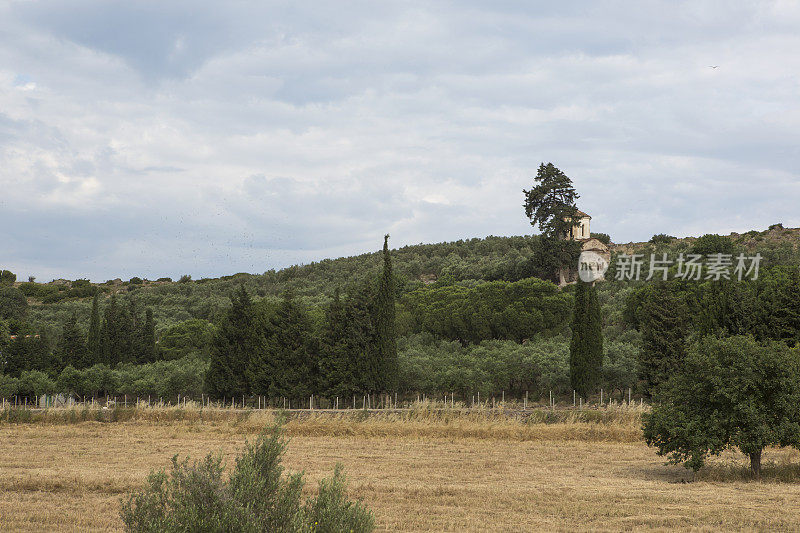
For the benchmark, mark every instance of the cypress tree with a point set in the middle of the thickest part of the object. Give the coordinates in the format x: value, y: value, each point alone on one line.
x: 386, y: 365
x: 287, y: 365
x: 109, y: 334
x: 94, y: 346
x: 586, y: 347
x: 71, y: 349
x: 231, y: 349
x: 663, y: 324
x: 148, y: 349
x: 348, y: 344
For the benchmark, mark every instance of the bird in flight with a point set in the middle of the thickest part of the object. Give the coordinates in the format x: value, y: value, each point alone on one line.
x: 713, y: 66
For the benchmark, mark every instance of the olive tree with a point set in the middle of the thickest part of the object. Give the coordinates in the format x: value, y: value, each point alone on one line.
x: 731, y: 393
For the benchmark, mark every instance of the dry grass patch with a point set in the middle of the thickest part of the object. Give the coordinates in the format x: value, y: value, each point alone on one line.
x: 440, y: 473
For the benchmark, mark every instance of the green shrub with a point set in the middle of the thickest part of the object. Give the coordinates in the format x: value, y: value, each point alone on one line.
x: 661, y: 238
x: 605, y: 238
x: 256, y: 498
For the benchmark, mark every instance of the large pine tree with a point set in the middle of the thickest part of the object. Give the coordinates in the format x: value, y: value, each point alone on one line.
x: 550, y: 204
x: 386, y: 364
x: 586, y: 348
x: 234, y: 343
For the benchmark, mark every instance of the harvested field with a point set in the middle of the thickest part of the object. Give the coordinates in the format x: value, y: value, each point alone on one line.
x: 422, y: 471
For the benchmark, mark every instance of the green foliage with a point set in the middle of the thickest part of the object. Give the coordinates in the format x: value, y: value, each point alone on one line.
x: 384, y: 367
x: 236, y: 340
x: 663, y: 322
x: 13, y: 304
x: 605, y: 238
x: 9, y: 386
x: 27, y: 352
x: 661, y: 238
x: 285, y: 364
x: 731, y: 392
x: 586, y: 346
x: 258, y: 497
x: 147, y: 347
x: 135, y: 280
x: 620, y: 365
x: 494, y: 310
x: 94, y: 343
x: 347, y: 342
x: 431, y: 366
x: 713, y: 244
x: 33, y: 383
x: 190, y: 337
x: 551, y: 202
x: 71, y: 348
x: 7, y: 277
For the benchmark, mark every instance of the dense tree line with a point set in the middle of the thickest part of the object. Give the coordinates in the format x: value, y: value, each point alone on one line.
x: 477, y: 293
x: 124, y: 335
x: 277, y: 351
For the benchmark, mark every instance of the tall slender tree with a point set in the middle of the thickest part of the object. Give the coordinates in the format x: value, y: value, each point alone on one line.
x: 586, y: 348
x: 94, y: 346
x: 663, y: 322
x: 386, y: 367
x: 148, y: 352
x: 110, y: 333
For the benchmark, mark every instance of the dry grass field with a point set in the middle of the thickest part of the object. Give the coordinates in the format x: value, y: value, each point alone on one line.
x: 418, y: 472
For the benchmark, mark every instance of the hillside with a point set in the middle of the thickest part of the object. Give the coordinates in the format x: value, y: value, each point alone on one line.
x: 468, y: 261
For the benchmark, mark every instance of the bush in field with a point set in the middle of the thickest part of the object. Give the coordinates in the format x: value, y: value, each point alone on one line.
x: 257, y: 498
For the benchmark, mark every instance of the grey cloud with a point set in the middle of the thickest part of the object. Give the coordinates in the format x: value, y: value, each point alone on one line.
x: 211, y: 138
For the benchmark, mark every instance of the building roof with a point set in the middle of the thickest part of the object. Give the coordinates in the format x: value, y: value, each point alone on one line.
x: 582, y: 214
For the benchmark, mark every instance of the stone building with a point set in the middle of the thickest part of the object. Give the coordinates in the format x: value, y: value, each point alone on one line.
x: 582, y: 233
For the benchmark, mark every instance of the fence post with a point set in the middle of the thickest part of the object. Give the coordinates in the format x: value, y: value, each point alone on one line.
x: 573, y: 397
x: 601, y: 397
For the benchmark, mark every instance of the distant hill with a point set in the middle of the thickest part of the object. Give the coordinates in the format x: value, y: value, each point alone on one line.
x: 468, y: 261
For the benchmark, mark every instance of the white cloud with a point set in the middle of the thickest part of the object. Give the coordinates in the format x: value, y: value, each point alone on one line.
x: 151, y: 138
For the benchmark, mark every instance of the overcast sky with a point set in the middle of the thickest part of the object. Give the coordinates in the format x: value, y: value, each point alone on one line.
x: 163, y: 138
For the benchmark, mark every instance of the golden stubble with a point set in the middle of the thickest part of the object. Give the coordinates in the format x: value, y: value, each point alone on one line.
x: 417, y: 473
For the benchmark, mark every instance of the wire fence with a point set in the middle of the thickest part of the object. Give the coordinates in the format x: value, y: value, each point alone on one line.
x: 361, y: 402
